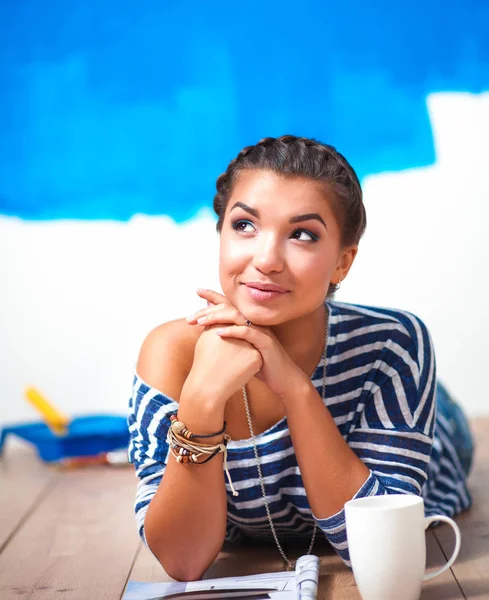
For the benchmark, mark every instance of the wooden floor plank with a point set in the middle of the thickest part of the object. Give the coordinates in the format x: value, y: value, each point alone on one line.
x: 472, y: 566
x: 79, y: 544
x: 445, y: 586
x: 22, y: 487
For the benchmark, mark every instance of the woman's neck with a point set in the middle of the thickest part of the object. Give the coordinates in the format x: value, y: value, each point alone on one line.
x: 303, y: 338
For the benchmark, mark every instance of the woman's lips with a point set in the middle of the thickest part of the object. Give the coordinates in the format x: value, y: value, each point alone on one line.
x: 264, y: 292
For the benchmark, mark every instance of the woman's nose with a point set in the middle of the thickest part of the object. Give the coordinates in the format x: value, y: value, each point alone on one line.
x: 268, y: 255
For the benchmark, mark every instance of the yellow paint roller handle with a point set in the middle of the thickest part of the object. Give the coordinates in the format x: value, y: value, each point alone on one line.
x: 53, y: 418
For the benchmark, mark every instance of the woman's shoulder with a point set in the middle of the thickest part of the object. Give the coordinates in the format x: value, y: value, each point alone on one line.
x: 394, y: 342
x: 356, y: 327
x: 166, y: 356
x: 376, y: 318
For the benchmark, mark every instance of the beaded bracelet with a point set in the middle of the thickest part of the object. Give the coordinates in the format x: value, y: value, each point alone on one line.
x: 189, y: 452
x: 186, y: 453
x: 179, y: 428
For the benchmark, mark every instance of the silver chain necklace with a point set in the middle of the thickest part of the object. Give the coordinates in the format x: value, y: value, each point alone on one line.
x: 290, y: 565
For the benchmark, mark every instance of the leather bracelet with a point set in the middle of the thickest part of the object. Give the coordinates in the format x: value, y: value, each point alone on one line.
x: 180, y: 429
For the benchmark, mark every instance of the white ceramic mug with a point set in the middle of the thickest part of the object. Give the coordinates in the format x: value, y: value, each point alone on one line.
x: 386, y: 540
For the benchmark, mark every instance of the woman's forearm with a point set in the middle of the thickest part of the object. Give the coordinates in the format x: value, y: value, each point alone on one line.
x: 331, y: 471
x: 186, y: 520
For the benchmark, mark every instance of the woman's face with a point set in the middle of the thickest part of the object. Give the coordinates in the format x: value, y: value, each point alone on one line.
x: 280, y: 247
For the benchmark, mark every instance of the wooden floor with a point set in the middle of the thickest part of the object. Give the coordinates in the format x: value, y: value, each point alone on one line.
x: 70, y: 534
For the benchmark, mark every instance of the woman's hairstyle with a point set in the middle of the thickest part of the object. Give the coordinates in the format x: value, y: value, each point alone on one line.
x: 293, y: 156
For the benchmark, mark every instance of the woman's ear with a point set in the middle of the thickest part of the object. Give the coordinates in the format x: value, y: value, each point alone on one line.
x: 344, y: 264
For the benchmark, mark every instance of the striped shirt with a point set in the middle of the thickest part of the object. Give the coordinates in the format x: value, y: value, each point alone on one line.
x: 380, y: 391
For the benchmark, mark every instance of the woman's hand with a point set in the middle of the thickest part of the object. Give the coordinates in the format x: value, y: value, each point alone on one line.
x: 278, y: 369
x: 220, y: 367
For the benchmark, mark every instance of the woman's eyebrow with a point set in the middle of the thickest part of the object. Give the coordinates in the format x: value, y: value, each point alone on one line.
x: 297, y: 219
x: 308, y: 217
x: 247, y: 208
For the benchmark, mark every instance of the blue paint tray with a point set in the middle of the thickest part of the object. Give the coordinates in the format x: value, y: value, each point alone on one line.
x: 86, y: 436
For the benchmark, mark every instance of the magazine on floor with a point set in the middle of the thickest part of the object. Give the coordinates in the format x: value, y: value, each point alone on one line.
x: 300, y: 584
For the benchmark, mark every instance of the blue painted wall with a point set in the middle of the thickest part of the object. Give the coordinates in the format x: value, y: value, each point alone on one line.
x: 110, y: 108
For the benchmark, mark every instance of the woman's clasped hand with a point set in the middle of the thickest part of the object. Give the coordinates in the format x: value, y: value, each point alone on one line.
x: 246, y: 350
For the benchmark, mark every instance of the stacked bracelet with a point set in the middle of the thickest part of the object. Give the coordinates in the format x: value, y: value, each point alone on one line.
x: 180, y: 429
x: 185, y: 450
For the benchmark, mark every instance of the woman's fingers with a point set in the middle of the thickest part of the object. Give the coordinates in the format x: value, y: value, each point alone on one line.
x: 259, y: 339
x: 222, y: 313
x: 212, y: 296
x: 223, y: 316
x: 277, y: 369
x: 209, y: 309
x: 218, y: 310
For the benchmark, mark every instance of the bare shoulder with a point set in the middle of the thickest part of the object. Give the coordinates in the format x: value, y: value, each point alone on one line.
x: 166, y: 356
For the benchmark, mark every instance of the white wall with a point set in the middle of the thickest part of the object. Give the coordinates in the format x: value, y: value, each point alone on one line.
x: 77, y: 298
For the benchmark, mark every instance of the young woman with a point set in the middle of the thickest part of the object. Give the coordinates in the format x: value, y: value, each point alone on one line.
x: 263, y: 413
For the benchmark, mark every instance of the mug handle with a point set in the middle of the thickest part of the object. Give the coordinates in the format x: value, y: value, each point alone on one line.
x: 455, y: 552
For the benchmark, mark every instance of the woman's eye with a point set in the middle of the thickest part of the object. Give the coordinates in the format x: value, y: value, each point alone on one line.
x: 303, y: 235
x: 243, y: 226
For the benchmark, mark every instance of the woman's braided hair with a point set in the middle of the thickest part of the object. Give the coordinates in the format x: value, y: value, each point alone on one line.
x: 307, y: 158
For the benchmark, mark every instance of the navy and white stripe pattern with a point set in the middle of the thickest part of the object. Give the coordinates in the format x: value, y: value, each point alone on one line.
x: 380, y: 390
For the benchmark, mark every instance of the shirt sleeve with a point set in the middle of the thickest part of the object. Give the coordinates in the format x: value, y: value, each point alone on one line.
x: 148, y: 420
x: 393, y: 434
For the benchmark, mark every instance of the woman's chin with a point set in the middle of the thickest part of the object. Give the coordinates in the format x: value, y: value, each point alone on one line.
x: 272, y: 316
x: 263, y: 313
x: 263, y: 317
x: 267, y: 323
